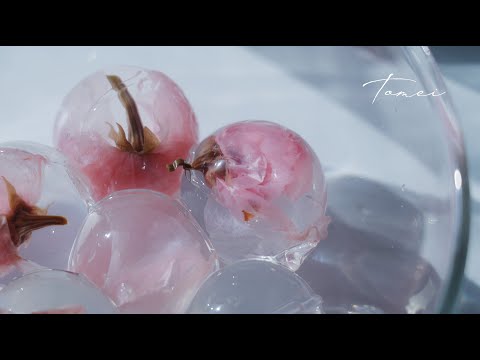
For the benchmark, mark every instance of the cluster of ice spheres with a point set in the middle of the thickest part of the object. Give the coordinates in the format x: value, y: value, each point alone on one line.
x: 130, y: 213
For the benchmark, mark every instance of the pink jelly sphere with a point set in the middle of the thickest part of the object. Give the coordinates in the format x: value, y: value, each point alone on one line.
x: 145, y: 251
x: 23, y: 171
x: 266, y: 192
x: 95, y: 109
x: 41, y: 208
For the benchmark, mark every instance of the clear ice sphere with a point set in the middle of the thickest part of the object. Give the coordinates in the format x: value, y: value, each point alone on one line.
x: 255, y: 287
x: 53, y: 290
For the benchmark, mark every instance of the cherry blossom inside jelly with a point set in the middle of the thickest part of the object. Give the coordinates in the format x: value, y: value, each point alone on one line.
x: 120, y: 126
x: 258, y: 189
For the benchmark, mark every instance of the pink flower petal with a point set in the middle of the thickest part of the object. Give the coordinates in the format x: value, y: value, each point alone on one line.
x: 265, y: 161
x: 8, y: 252
x: 24, y: 171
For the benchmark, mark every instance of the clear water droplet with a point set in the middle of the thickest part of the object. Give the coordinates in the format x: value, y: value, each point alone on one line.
x: 403, y: 187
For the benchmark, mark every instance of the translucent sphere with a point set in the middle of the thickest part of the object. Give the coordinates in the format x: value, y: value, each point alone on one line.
x: 38, y: 183
x: 255, y: 287
x: 145, y: 251
x: 259, y: 191
x: 120, y: 127
x: 52, y: 291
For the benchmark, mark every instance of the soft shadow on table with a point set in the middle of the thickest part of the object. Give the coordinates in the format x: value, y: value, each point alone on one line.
x: 454, y: 60
x: 303, y: 63
x: 456, y: 54
x: 370, y: 261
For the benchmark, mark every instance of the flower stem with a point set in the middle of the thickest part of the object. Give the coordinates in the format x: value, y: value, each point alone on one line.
x: 179, y: 163
x: 135, y: 127
x: 24, y: 224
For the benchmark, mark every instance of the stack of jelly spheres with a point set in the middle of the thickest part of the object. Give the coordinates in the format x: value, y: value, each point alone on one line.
x: 250, y: 185
x: 118, y: 128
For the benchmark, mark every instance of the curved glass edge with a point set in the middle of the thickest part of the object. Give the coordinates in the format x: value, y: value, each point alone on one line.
x: 457, y: 275
x: 469, y: 298
x: 422, y: 61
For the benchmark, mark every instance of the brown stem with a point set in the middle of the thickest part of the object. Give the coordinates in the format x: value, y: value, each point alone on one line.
x: 23, y: 223
x: 179, y: 163
x: 135, y: 127
x: 24, y: 218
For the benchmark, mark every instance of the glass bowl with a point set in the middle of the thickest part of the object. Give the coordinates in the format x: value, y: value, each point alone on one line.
x: 396, y: 179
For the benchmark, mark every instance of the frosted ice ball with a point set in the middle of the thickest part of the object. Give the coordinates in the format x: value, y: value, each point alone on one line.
x: 255, y: 287
x: 53, y: 291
